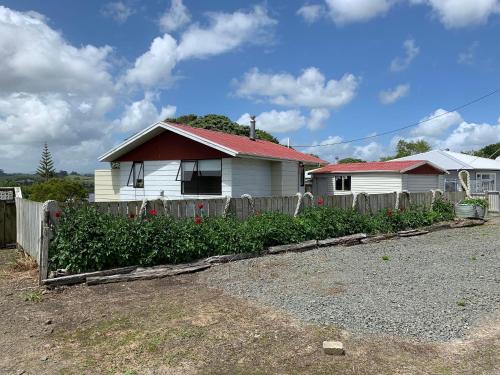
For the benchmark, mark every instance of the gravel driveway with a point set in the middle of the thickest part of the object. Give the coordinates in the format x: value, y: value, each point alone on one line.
x: 432, y: 287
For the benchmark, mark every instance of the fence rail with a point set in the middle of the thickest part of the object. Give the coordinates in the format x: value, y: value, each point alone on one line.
x: 29, y: 218
x: 243, y: 207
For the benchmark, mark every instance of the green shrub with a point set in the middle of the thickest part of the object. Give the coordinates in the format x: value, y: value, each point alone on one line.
x: 444, y: 208
x: 88, y: 240
x: 58, y: 189
x: 475, y: 202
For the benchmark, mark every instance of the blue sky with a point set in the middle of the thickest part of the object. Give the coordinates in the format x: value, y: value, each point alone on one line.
x: 85, y: 76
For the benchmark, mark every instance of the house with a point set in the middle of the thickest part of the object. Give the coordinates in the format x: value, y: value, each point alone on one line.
x: 484, y: 173
x: 376, y: 177
x: 176, y: 161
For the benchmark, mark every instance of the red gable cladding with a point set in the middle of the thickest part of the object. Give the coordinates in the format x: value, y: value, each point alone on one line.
x: 172, y: 146
x: 425, y: 169
x: 381, y: 166
x: 245, y: 145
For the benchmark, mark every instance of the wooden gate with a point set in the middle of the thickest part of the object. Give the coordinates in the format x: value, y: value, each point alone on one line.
x: 7, y: 218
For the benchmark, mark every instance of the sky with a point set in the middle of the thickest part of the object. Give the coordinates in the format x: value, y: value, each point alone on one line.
x: 83, y: 76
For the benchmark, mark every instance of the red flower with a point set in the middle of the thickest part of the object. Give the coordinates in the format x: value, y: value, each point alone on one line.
x: 200, y: 205
x: 58, y: 214
x: 389, y: 212
x: 153, y: 212
x: 131, y: 215
x: 197, y: 220
x: 320, y: 201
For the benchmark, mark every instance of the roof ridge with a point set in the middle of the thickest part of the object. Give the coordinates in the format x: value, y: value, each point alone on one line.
x: 446, y: 153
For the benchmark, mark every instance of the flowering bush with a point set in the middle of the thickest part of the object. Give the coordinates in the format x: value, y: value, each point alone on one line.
x: 88, y: 240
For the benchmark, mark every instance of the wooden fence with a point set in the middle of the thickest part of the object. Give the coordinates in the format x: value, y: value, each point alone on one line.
x: 493, y: 198
x: 242, y: 208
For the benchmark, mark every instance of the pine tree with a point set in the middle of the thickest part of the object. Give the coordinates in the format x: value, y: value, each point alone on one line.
x: 46, y: 169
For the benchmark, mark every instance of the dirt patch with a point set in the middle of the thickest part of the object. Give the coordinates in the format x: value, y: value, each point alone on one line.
x: 176, y: 326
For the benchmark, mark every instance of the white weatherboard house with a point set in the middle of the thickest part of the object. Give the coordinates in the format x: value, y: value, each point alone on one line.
x: 484, y: 173
x: 414, y: 176
x: 174, y: 161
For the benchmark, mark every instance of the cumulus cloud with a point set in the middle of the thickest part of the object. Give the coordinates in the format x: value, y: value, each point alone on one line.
x: 310, y: 12
x: 317, y: 118
x: 118, y: 11
x: 276, y: 121
x: 226, y: 31
x: 468, y: 57
x: 411, y: 51
x: 309, y: 89
x: 470, y: 136
x: 437, y: 123
x: 142, y: 113
x: 174, y: 17
x: 347, y: 11
x: 461, y: 13
x: 392, y: 95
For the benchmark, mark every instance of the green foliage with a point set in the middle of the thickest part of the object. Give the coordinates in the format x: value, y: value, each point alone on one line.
x: 444, y: 208
x: 61, y: 190
x: 475, y: 202
x: 351, y: 160
x: 385, y: 257
x: 222, y: 124
x: 46, y: 168
x: 35, y: 296
x: 491, y: 151
x: 88, y: 240
x: 405, y: 148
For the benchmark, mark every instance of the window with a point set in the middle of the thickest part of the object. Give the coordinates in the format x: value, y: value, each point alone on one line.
x: 485, y: 182
x: 343, y: 183
x: 136, y: 175
x: 450, y: 185
x: 201, y: 177
x: 302, y: 174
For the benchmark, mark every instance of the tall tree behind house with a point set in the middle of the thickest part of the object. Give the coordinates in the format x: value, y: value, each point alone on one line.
x: 46, y: 168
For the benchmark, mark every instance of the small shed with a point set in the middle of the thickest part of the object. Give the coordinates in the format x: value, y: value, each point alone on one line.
x: 376, y: 177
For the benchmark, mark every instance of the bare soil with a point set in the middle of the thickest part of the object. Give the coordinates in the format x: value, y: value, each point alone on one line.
x: 177, y: 326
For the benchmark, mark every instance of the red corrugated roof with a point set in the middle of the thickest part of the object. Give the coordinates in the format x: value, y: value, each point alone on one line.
x: 378, y: 166
x: 244, y: 145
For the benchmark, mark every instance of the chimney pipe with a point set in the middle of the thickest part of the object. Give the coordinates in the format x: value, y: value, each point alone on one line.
x: 252, y: 128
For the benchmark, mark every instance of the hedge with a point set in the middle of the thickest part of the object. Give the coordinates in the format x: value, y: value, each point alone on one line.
x: 87, y: 240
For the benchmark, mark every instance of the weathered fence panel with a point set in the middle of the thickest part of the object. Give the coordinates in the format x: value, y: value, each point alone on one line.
x: 29, y: 218
x: 493, y: 198
x: 454, y: 196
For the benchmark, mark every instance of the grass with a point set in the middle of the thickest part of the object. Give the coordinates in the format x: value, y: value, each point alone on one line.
x: 461, y: 303
x: 23, y: 263
x: 473, y: 258
x: 385, y: 257
x: 35, y: 296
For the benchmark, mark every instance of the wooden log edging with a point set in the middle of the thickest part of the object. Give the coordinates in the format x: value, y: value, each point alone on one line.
x: 82, y: 277
x: 301, y: 246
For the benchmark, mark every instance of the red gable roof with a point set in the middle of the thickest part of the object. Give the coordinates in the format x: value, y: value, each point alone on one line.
x: 380, y: 166
x: 245, y: 146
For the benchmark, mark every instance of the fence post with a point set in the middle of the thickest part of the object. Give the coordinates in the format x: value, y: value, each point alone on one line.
x: 44, y: 253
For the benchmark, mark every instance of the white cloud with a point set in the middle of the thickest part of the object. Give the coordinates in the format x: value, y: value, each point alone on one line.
x: 143, y: 113
x: 332, y: 148
x: 225, y: 32
x: 154, y: 67
x: 347, y: 11
x: 311, y: 12
x: 118, y: 10
x: 411, y: 51
x: 462, y: 13
x: 175, y: 17
x: 437, y: 123
x: 372, y: 151
x: 468, y: 56
x: 276, y: 121
x: 310, y: 89
x: 392, y: 95
x: 470, y: 136
x: 317, y: 118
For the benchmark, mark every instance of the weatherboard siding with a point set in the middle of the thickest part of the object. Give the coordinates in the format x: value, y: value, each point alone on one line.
x: 376, y: 183
x: 107, y: 185
x: 251, y: 176
x: 418, y: 183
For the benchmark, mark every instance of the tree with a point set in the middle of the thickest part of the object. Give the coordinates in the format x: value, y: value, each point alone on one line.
x: 351, y: 160
x: 220, y: 123
x: 491, y: 151
x: 46, y: 169
x: 61, y: 190
x: 405, y: 148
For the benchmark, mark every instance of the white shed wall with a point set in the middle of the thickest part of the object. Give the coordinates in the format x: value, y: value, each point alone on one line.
x: 251, y: 176
x: 107, y: 185
x: 371, y: 183
x: 419, y: 183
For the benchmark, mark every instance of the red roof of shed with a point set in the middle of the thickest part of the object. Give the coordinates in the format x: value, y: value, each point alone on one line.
x: 244, y: 145
x: 379, y: 166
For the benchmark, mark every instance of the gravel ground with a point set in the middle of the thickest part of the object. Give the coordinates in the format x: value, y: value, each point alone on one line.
x: 433, y: 287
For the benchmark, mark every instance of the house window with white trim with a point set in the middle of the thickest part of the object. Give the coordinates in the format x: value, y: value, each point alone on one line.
x: 201, y: 177
x: 342, y: 183
x: 485, y: 182
x: 136, y: 175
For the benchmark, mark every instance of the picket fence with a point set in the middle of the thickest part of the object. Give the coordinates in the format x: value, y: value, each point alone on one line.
x: 36, y: 220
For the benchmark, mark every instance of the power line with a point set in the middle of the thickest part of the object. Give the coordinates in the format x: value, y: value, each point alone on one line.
x: 407, y: 126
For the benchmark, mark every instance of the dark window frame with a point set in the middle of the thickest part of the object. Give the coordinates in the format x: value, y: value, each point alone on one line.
x: 197, y: 174
x: 302, y: 175
x: 137, y: 183
x: 343, y: 179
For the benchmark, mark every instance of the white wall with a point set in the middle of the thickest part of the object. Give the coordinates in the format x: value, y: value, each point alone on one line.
x: 107, y: 185
x: 372, y: 183
x: 251, y: 176
x: 418, y: 183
